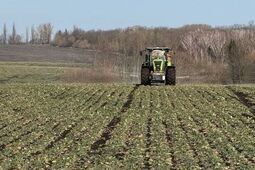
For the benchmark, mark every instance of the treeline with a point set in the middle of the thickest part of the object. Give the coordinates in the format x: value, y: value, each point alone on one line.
x: 126, y: 41
x: 36, y: 35
x: 201, y: 42
x: 223, y: 54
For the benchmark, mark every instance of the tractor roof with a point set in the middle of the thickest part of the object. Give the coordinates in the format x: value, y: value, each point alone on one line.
x: 158, y: 48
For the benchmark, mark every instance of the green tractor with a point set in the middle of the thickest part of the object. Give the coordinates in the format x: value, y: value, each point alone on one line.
x: 158, y: 66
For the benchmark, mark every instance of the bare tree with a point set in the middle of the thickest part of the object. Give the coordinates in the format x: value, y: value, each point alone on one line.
x: 5, y: 35
x: 32, y: 35
x: 45, y: 33
x: 14, y: 38
x: 236, y: 61
x: 49, y: 30
x: 27, y: 35
x: 14, y: 33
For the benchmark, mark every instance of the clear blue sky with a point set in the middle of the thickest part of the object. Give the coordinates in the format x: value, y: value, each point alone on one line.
x: 109, y: 14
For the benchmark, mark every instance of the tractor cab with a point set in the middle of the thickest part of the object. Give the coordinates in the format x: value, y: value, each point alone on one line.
x: 158, y: 60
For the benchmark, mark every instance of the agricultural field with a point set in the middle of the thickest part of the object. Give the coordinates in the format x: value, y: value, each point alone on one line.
x: 43, y: 72
x: 45, y: 53
x: 58, y: 126
x: 23, y: 73
x: 37, y: 72
x: 47, y: 64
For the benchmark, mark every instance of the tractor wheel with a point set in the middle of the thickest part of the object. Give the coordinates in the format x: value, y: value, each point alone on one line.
x: 145, y: 76
x: 170, y: 76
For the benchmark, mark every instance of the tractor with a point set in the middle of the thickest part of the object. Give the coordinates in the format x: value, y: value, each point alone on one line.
x: 158, y: 66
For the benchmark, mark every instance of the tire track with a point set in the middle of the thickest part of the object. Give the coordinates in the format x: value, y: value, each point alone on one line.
x: 246, y: 115
x: 127, y: 144
x: 69, y: 128
x: 169, y: 133
x: 169, y: 139
x: 148, y: 140
x: 120, y: 155
x: 107, y: 133
x: 242, y: 97
x: 75, y: 140
x: 147, y: 153
x: 81, y: 135
x: 225, y: 133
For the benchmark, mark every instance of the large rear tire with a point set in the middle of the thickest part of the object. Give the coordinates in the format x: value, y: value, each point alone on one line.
x: 170, y: 76
x: 145, y: 76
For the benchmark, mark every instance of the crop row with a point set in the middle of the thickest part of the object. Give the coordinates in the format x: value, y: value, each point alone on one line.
x: 124, y: 126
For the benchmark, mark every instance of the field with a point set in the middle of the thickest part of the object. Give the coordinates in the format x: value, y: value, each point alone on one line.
x: 46, y: 123
x: 38, y: 72
x: 47, y: 64
x: 58, y: 126
x: 43, y: 64
x: 46, y: 53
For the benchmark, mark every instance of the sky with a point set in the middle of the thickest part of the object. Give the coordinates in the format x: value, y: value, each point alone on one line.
x: 111, y: 14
